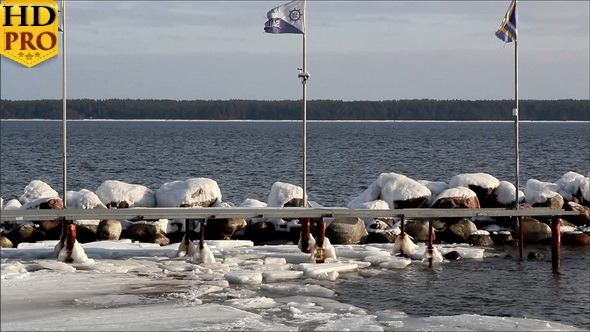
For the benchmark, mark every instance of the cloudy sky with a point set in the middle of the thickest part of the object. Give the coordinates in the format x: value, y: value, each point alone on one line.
x: 356, y: 50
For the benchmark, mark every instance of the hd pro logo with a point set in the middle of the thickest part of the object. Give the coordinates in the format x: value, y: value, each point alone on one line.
x: 29, y: 30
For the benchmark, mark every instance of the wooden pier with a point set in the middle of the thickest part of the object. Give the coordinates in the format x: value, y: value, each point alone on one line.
x: 269, y: 212
x: 305, y: 214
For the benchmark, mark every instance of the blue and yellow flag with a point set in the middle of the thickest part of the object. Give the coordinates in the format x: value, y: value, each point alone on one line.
x: 507, y: 31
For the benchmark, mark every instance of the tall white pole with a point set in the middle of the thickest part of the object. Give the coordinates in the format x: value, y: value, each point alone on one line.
x: 64, y: 103
x: 304, y: 76
x: 303, y: 81
x: 516, y: 129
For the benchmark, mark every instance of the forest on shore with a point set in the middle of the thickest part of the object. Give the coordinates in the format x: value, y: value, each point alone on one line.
x: 414, y: 109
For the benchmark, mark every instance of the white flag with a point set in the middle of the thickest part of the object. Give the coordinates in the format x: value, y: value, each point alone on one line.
x: 288, y: 18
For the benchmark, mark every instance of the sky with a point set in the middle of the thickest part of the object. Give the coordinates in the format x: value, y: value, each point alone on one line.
x: 356, y: 50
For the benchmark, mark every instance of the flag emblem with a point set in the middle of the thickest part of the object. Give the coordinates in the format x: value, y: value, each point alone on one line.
x: 288, y: 18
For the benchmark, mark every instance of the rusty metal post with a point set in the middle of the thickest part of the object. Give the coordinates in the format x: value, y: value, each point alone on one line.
x: 186, y: 238
x: 202, y: 235
x: 305, y: 230
x: 430, y: 243
x: 555, y: 243
x: 70, y: 241
x: 320, y: 254
x: 520, y: 238
x: 62, y: 236
x: 402, y: 235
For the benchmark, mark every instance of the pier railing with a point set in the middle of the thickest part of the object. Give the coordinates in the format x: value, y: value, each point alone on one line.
x: 305, y: 214
x: 269, y: 212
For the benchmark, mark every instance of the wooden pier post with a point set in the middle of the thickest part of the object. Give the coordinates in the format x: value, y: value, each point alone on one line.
x: 555, y: 243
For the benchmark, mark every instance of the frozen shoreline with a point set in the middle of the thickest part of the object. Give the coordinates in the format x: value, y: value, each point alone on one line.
x: 139, y: 286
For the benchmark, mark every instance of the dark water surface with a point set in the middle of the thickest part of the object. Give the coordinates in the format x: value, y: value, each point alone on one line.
x: 495, y: 286
x: 246, y: 158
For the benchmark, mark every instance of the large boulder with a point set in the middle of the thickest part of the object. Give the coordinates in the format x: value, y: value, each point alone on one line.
x: 580, y: 220
x: 83, y: 199
x: 44, y: 203
x: 347, y: 230
x: 285, y: 194
x: 5, y: 242
x: 112, y: 193
x: 504, y: 196
x: 50, y: 228
x: 569, y: 186
x: 435, y: 187
x: 13, y: 204
x: 223, y: 229
x: 259, y: 232
x: 25, y: 233
x: 554, y: 202
x: 459, y: 232
x: 381, y: 236
x: 401, y: 192
x: 371, y: 194
x: 37, y: 189
x: 381, y: 231
x: 480, y: 239
x: 86, y: 233
x: 146, y: 232
x: 502, y: 238
x: 418, y: 229
x: 194, y: 192
x: 534, y: 231
x: 538, y: 192
x: 575, y: 239
x: 48, y: 225
x: 396, y: 190
x: 109, y: 230
x: 458, y: 197
x: 482, y: 184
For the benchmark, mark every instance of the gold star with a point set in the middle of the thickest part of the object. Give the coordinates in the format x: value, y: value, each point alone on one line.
x: 37, y: 54
x: 21, y: 54
x: 29, y: 56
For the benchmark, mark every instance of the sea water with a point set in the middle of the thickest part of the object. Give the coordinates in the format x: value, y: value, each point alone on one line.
x: 246, y: 158
x: 343, y: 158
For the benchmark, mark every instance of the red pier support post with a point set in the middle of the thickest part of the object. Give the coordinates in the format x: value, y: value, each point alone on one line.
x: 402, y: 234
x: 520, y: 238
x: 430, y: 243
x: 320, y: 254
x: 186, y: 238
x: 555, y: 243
x: 70, y: 241
x: 202, y: 235
x: 305, y: 231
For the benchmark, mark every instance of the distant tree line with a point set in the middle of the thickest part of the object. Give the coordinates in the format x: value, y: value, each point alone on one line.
x: 414, y: 109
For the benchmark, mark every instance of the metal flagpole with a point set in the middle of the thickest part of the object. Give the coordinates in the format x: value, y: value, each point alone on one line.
x: 304, y: 77
x: 64, y: 103
x: 516, y: 151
